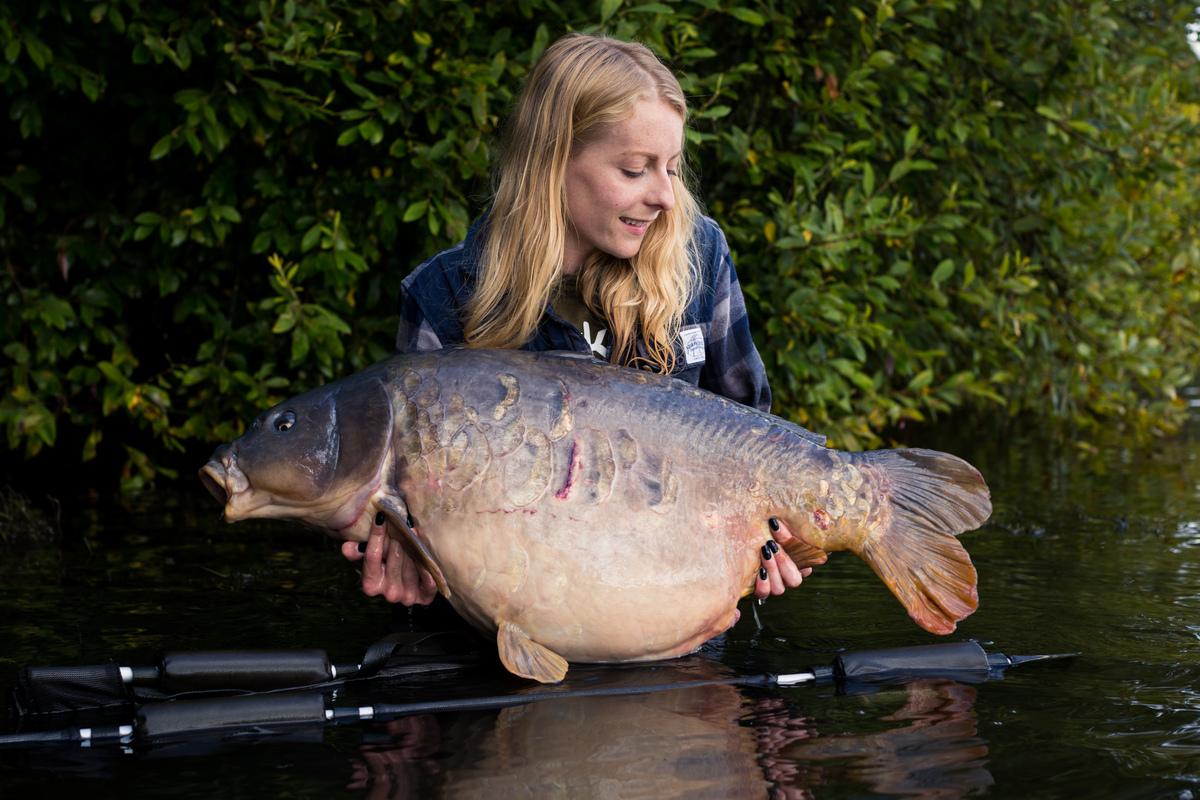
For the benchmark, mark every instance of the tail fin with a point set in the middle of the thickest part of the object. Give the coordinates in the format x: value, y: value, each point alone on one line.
x: 932, y: 497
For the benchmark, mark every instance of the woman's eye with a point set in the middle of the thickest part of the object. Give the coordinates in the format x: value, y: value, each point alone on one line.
x: 632, y: 174
x: 671, y: 172
x: 285, y: 421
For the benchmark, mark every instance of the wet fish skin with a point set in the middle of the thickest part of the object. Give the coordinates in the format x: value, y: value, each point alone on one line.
x: 595, y: 513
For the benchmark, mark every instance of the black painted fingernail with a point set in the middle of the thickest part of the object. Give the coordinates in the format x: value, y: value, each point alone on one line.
x: 774, y: 547
x: 766, y: 553
x: 774, y: 524
x: 362, y: 548
x: 379, y: 518
x: 762, y: 573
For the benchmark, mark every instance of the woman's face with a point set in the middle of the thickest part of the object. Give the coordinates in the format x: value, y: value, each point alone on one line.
x: 617, y: 185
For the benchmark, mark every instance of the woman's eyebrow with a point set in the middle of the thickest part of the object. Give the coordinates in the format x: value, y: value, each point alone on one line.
x: 651, y: 156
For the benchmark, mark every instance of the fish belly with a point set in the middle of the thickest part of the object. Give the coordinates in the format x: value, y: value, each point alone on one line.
x: 605, y: 535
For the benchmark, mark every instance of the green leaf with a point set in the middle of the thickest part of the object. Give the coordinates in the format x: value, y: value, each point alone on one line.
x: 715, y: 112
x: 415, y: 210
x: 541, y: 38
x: 922, y: 379
x: 311, y: 238
x: 608, y: 8
x: 944, y: 270
x: 285, y: 322
x: 38, y: 53
x: 371, y: 130
x: 747, y: 15
x: 226, y: 212
x: 161, y: 147
x: 261, y: 243
x: 881, y: 58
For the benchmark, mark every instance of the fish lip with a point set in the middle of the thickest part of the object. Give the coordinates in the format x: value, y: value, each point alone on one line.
x: 212, y: 475
x: 227, y: 483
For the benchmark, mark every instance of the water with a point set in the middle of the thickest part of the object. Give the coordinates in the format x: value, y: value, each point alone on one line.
x: 1089, y: 552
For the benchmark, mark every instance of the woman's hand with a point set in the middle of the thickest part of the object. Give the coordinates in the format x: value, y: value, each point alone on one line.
x: 389, y: 571
x: 778, y: 572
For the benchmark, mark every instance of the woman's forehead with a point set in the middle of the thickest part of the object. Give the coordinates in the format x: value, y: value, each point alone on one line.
x: 654, y: 129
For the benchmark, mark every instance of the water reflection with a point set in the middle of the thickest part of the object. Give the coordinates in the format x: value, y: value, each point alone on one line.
x: 679, y: 742
x: 936, y: 755
x: 710, y: 741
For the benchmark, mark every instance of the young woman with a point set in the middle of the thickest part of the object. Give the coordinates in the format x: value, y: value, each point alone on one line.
x: 592, y: 243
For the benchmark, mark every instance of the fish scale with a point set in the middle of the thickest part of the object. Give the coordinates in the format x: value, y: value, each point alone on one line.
x: 586, y: 512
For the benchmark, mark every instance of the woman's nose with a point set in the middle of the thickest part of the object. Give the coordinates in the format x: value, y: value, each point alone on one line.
x: 663, y: 193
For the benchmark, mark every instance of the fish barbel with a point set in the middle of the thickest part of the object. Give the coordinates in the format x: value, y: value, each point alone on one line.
x: 586, y: 512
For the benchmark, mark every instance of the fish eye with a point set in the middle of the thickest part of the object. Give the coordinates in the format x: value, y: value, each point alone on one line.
x: 285, y: 421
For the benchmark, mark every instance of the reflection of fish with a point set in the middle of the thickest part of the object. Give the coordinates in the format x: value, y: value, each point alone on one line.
x: 676, y: 742
x: 591, y: 512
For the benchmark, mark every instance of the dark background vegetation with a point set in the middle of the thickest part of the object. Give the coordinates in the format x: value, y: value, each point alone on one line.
x: 206, y: 206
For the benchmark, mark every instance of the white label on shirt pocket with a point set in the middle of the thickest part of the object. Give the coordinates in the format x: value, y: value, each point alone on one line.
x: 693, y: 345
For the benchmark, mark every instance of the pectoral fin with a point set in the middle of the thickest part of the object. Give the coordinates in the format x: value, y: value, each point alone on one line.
x: 804, y: 554
x: 525, y: 657
x: 396, y: 512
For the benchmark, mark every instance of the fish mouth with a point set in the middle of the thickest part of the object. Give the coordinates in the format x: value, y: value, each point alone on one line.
x: 227, y: 483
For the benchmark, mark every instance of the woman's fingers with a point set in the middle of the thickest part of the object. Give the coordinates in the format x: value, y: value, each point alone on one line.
x: 388, y: 570
x: 406, y: 582
x: 777, y: 571
x: 373, y: 570
x: 351, y: 552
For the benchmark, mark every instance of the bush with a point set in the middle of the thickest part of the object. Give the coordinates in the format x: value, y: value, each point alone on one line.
x: 209, y: 206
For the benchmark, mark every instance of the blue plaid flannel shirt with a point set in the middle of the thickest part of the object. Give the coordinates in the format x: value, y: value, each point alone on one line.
x: 715, y: 351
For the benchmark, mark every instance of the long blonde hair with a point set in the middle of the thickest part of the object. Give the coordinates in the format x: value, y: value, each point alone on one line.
x: 580, y: 87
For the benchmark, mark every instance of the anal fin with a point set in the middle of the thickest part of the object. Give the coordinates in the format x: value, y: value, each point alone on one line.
x: 804, y: 554
x: 397, y: 514
x: 524, y: 657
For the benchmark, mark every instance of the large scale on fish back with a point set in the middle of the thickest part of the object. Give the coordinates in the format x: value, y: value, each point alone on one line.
x: 586, y: 512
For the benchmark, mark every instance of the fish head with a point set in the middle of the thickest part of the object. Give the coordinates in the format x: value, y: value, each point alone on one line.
x: 308, y: 458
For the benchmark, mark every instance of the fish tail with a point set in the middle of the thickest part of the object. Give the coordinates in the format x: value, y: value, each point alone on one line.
x: 926, y: 499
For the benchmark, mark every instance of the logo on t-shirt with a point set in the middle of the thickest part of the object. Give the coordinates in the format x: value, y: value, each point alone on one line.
x: 597, y: 344
x: 693, y: 345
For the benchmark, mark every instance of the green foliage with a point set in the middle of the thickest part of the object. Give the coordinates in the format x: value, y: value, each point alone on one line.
x: 205, y: 207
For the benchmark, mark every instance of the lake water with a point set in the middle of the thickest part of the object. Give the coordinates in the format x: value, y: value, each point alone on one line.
x: 1088, y: 552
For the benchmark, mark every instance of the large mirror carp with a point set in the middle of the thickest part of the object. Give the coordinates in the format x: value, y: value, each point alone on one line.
x: 591, y: 513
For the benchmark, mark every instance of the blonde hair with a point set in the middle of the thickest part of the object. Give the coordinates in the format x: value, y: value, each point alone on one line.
x: 581, y: 87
